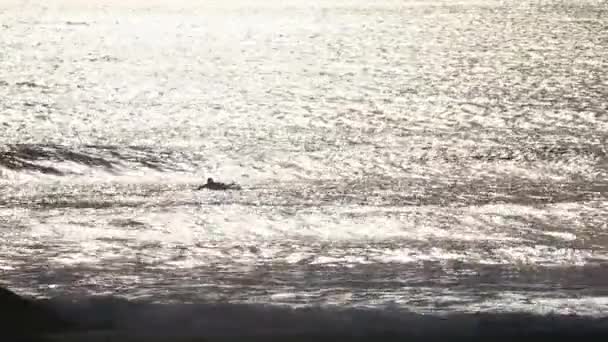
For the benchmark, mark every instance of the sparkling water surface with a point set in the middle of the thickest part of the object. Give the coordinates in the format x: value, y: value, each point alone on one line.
x: 444, y: 156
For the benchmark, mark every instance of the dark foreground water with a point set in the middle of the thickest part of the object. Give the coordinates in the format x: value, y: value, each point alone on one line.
x: 406, y: 157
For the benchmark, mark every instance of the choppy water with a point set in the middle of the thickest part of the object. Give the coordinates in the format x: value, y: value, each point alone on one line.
x: 431, y: 156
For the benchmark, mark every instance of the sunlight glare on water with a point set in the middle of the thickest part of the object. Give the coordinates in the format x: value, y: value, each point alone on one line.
x: 391, y: 153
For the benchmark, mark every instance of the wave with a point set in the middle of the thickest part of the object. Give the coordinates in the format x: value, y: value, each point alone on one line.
x: 60, y: 160
x: 109, y: 317
x: 48, y: 158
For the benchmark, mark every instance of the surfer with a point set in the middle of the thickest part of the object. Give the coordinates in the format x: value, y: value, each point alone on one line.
x: 212, y: 185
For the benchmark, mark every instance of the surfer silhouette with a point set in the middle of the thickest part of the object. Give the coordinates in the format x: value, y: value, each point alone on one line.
x: 213, y: 185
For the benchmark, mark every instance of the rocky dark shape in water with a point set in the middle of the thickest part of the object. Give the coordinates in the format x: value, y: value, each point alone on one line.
x: 212, y: 185
x: 23, y: 319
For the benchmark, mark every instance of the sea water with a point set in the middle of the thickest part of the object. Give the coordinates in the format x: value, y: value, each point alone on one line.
x: 438, y: 157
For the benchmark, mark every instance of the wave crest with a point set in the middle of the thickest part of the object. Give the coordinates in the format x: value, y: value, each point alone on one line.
x: 48, y: 158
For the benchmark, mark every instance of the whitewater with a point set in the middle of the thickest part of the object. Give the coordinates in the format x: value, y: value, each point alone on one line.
x: 398, y: 159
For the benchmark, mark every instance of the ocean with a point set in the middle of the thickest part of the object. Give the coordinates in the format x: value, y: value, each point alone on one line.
x: 397, y: 158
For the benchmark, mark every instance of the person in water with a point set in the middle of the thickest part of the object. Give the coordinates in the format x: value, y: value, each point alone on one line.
x: 212, y: 185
